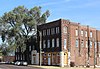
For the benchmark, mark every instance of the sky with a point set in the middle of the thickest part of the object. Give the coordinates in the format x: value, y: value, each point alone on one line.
x: 85, y: 12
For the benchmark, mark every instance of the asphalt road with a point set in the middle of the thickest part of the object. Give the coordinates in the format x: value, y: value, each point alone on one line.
x: 5, y: 66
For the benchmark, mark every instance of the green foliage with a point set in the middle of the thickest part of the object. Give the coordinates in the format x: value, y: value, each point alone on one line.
x: 18, y: 25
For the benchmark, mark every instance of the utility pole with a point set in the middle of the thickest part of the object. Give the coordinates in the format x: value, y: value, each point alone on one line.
x: 40, y: 46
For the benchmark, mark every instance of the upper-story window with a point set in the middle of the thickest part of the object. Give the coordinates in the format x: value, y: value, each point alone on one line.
x: 44, y: 44
x: 82, y: 43
x: 99, y: 46
x: 76, y: 32
x: 57, y: 42
x: 44, y: 32
x: 33, y: 47
x: 52, y: 42
x: 65, y: 43
x: 52, y: 30
x: 82, y: 33
x: 57, y: 29
x: 85, y: 33
x: 48, y: 31
x: 90, y: 44
x: 86, y: 44
x: 77, y: 43
x: 29, y: 48
x: 18, y: 49
x: 65, y: 29
x: 95, y: 44
x: 91, y: 34
x: 48, y: 43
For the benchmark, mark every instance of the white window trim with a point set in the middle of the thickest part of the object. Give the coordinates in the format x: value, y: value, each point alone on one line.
x: 77, y: 43
x: 82, y: 32
x: 76, y: 32
x: 65, y: 28
x: 44, y: 45
x: 85, y: 33
x: 90, y: 44
x: 65, y: 43
x: 82, y: 43
x: 57, y: 42
x: 48, y: 43
x: 86, y: 44
x: 91, y: 34
x: 53, y: 42
x: 57, y: 30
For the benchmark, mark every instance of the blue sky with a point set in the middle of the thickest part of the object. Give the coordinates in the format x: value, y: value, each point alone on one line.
x: 86, y: 12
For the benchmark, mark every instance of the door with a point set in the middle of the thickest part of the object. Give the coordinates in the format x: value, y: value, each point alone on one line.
x: 49, y: 61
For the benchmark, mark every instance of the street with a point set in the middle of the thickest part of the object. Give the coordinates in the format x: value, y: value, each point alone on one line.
x: 5, y: 66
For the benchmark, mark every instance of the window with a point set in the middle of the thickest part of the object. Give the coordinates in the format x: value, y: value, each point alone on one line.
x: 86, y: 44
x: 85, y: 33
x: 53, y: 31
x: 48, y: 43
x: 95, y: 44
x: 81, y: 32
x: 29, y: 48
x: 57, y: 41
x: 65, y: 29
x: 49, y: 54
x: 48, y: 31
x: 44, y: 45
x: 65, y: 43
x: 57, y: 30
x: 99, y: 44
x: 52, y: 42
x: 33, y: 47
x: 91, y: 34
x: 90, y: 44
x: 21, y: 57
x: 77, y: 42
x: 44, y: 32
x: 82, y: 43
x: 76, y: 31
x: 44, y: 54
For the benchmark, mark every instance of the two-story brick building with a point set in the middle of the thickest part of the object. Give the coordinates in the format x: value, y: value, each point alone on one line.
x: 65, y: 42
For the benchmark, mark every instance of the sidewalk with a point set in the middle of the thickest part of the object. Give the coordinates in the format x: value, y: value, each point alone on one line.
x: 56, y: 67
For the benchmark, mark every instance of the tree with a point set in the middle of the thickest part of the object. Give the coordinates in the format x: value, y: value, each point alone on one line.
x: 18, y: 25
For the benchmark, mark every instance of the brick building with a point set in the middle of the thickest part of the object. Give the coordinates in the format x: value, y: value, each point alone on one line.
x: 65, y: 42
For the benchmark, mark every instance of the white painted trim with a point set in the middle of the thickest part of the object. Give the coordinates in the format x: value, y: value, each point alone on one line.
x: 62, y: 59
